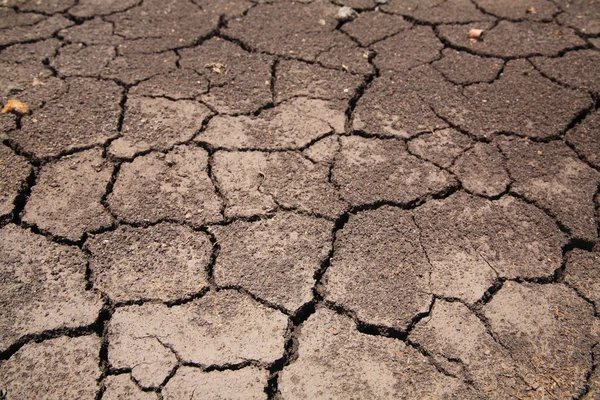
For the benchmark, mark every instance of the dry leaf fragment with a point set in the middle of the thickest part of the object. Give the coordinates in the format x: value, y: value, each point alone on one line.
x: 16, y: 107
x: 37, y: 82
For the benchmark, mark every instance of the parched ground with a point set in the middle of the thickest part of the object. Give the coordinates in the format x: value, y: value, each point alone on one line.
x: 258, y: 199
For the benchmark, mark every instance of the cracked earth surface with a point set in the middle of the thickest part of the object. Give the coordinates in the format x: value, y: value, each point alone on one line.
x: 253, y: 199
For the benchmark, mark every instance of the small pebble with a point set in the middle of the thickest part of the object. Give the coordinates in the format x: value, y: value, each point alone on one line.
x: 346, y: 14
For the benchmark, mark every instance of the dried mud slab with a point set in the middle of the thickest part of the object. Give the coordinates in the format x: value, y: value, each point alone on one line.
x: 538, y: 10
x: 177, y: 85
x: 66, y: 200
x: 121, y: 387
x: 158, y: 187
x: 368, y: 171
x: 14, y: 171
x: 407, y: 50
x: 355, y: 4
x: 581, y: 15
x: 521, y: 101
x: 45, y: 7
x: 164, y: 261
x: 453, y: 332
x: 303, y: 31
x: 297, y: 78
x: 437, y: 11
x: 481, y: 170
x: 194, y: 384
x: 42, y: 287
x: 441, y: 147
x: 514, y: 39
x: 30, y: 52
x: 291, y: 125
x: 90, y: 8
x: 391, y: 107
x: 549, y: 332
x: 93, y: 31
x: 585, y: 138
x: 255, y: 182
x: 379, y: 270
x: 62, y: 368
x: 240, y: 82
x: 551, y: 176
x: 225, y: 8
x: 29, y: 29
x: 86, y: 115
x: 373, y: 26
x: 463, y: 68
x: 157, y: 124
x: 134, y: 68
x: 470, y: 241
x: 583, y: 274
x: 220, y: 328
x: 275, y: 259
x: 337, y: 361
x: 77, y: 60
x: 159, y: 25
x: 578, y: 69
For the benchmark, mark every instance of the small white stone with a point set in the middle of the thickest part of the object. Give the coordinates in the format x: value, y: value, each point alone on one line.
x: 346, y: 14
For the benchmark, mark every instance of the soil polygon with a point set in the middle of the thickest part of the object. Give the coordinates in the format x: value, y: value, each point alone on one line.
x: 583, y: 274
x: 303, y: 31
x: 254, y: 182
x: 585, y: 138
x: 463, y: 68
x: 240, y: 82
x: 375, y: 170
x: 158, y: 25
x: 220, y: 328
x: 521, y: 101
x: 514, y: 39
x: 291, y: 125
x: 379, y: 270
x: 437, y: 11
x: 66, y: 200
x: 43, y: 287
x: 275, y: 259
x: 576, y: 69
x: 453, y: 332
x: 134, y: 68
x: 164, y: 261
x: 407, y: 49
x: 121, y: 387
x: 549, y: 331
x: 77, y: 60
x: 174, y: 187
x: 581, y: 15
x: 192, y: 383
x: 378, y: 111
x: 481, y: 170
x: 538, y: 10
x: 552, y: 176
x: 90, y: 8
x: 297, y: 78
x: 176, y: 85
x: 157, y: 124
x: 470, y: 241
x: 337, y: 361
x: 86, y: 115
x: 373, y: 26
x: 44, y: 29
x: 65, y: 367
x: 93, y: 31
x: 441, y: 147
